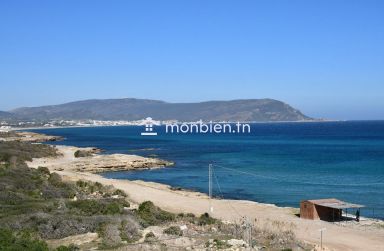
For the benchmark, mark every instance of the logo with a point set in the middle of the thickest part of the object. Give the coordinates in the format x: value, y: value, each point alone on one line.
x: 195, y: 127
x: 149, y: 123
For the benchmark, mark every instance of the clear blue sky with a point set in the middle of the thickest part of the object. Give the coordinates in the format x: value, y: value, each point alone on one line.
x: 324, y: 57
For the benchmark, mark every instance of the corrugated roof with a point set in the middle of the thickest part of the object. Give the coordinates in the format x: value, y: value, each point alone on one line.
x: 335, y: 203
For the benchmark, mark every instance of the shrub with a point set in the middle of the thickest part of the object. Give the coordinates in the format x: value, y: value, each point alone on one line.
x: 82, y: 153
x: 219, y: 244
x: 119, y: 192
x: 87, y: 207
x: 14, y: 242
x: 150, y: 237
x: 91, y: 187
x: 205, y: 219
x: 63, y: 225
x: 152, y: 215
x: 93, y: 207
x: 82, y: 183
x: 110, y: 235
x: 71, y: 247
x: 55, y: 179
x: 129, y: 230
x: 173, y: 230
x: 43, y: 170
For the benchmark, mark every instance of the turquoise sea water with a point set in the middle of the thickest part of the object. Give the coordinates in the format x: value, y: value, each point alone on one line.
x: 280, y: 163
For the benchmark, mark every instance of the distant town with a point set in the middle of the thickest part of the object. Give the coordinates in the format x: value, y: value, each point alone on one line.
x: 9, y: 125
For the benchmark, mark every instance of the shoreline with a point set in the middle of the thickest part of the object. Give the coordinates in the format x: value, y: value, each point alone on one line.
x: 249, y: 122
x: 364, y: 235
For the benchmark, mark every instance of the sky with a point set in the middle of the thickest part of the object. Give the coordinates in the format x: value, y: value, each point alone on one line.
x: 323, y: 57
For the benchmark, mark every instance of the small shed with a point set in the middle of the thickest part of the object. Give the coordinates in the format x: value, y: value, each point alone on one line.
x: 325, y: 209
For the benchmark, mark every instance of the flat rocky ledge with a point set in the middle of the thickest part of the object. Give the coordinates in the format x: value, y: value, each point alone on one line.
x: 96, y: 163
x: 116, y: 162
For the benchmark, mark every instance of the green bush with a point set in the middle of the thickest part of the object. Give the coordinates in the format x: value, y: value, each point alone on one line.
x: 71, y: 247
x: 10, y: 241
x: 173, y: 230
x: 119, y: 192
x: 81, y: 153
x: 91, y: 187
x: 82, y: 183
x: 152, y: 215
x: 43, y: 170
x: 150, y: 237
x: 220, y: 244
x: 205, y: 219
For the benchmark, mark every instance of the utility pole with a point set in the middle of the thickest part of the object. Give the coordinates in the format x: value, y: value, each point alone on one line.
x: 247, y: 232
x: 210, y: 187
x: 321, y: 237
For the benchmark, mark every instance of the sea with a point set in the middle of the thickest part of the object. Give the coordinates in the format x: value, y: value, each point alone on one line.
x: 276, y: 163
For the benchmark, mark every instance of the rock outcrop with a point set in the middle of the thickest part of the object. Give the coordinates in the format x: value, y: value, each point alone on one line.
x: 96, y: 163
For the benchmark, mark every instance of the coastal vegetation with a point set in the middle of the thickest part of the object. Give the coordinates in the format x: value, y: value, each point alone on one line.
x: 152, y: 215
x: 39, y: 210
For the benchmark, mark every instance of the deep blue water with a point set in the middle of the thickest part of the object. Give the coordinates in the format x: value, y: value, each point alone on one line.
x: 280, y: 163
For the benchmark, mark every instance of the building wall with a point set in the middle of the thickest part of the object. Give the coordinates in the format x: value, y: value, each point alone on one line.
x: 327, y: 213
x: 308, y: 210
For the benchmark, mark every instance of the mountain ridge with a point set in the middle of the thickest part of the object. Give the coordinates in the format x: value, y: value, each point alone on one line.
x: 134, y: 109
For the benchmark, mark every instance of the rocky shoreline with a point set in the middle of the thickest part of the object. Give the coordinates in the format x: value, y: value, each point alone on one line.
x: 84, y: 159
x: 98, y: 163
x: 28, y: 137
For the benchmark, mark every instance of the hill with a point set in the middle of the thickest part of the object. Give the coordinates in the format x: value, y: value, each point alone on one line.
x: 135, y: 109
x: 6, y: 115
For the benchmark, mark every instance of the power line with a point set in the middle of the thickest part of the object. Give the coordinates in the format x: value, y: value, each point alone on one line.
x: 298, y: 182
x: 222, y: 195
x: 248, y: 173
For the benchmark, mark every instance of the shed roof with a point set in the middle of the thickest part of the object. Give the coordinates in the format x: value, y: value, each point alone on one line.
x: 335, y: 203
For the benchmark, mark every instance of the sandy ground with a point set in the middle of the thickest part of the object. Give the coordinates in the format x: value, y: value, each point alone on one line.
x: 366, y: 235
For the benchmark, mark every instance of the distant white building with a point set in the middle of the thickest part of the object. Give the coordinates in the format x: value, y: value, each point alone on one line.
x: 5, y: 128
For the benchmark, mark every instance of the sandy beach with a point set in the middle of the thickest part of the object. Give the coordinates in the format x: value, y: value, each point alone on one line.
x: 368, y: 234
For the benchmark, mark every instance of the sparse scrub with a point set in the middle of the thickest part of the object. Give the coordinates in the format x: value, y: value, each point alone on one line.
x: 24, y: 151
x: 129, y: 230
x: 97, y: 188
x: 101, y: 206
x: 217, y: 244
x: 40, y: 202
x: 110, y: 235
